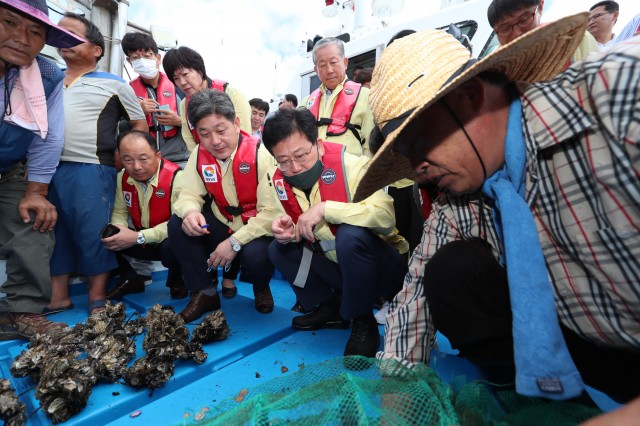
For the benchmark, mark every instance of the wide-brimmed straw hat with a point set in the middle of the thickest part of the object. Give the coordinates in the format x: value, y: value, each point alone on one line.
x: 414, y: 72
x: 38, y: 11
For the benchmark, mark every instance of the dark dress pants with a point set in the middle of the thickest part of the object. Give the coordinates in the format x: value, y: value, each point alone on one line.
x: 161, y: 252
x: 192, y: 254
x: 368, y: 268
x: 468, y: 295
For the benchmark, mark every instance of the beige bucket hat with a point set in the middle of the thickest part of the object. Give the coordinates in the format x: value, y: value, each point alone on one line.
x: 414, y: 72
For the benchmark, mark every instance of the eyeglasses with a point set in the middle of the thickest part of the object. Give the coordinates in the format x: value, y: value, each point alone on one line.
x: 145, y: 55
x: 522, y: 23
x: 597, y: 16
x: 299, y: 159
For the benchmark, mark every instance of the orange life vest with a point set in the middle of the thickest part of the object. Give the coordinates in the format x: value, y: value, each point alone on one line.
x: 221, y: 85
x: 339, y: 122
x: 165, y: 95
x: 160, y: 202
x: 245, y: 177
x: 333, y: 185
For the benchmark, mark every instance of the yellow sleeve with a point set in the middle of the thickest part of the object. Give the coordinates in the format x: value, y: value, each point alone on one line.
x: 367, y: 122
x: 190, y: 188
x: 120, y: 214
x: 186, y: 132
x: 587, y: 45
x: 157, y: 234
x: 375, y: 213
x: 242, y: 107
x: 260, y: 225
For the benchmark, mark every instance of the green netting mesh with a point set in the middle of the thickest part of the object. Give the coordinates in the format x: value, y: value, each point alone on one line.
x: 360, y: 391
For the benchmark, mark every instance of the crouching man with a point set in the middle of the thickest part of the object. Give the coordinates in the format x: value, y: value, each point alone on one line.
x: 220, y: 214
x: 315, y: 182
x: 143, y: 197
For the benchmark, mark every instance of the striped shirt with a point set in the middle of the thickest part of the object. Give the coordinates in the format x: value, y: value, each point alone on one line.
x: 582, y: 132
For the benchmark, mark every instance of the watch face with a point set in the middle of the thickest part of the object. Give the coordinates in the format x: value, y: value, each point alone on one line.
x: 141, y: 239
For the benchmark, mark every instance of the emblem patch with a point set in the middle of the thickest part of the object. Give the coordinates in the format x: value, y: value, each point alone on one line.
x: 244, y: 168
x: 310, y: 102
x: 160, y: 193
x: 282, y: 193
x: 166, y: 94
x: 209, y: 173
x: 127, y: 198
x: 328, y: 176
x: 348, y: 91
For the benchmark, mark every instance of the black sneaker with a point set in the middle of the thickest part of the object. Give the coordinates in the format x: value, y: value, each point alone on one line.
x: 325, y: 315
x: 364, y: 339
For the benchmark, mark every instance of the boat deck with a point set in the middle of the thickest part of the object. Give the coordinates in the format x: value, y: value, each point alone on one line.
x: 257, y: 349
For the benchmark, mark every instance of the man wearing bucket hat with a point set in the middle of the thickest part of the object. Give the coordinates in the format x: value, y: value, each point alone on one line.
x: 32, y: 127
x: 540, y: 204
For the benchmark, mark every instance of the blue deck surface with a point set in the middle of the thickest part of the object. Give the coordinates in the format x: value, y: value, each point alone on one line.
x: 257, y: 349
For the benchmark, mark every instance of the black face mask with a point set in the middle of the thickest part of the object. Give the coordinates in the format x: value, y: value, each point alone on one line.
x: 305, y: 180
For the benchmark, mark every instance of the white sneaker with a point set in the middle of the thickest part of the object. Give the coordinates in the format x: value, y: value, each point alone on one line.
x: 381, y: 315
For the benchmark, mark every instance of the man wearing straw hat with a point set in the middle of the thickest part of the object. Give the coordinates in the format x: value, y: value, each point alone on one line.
x: 540, y: 204
x: 32, y: 127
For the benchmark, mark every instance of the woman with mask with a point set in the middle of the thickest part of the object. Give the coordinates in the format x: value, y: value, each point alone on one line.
x: 157, y: 96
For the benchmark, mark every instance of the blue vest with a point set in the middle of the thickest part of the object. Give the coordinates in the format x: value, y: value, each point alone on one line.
x: 14, y: 140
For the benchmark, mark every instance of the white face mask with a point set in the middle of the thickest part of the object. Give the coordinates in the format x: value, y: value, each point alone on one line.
x: 146, y: 68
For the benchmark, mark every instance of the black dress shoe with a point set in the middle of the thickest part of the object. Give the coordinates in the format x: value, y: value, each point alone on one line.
x: 177, y: 289
x: 364, y: 339
x: 127, y: 286
x: 263, y: 300
x: 326, y: 315
x: 229, y: 292
x: 200, y: 304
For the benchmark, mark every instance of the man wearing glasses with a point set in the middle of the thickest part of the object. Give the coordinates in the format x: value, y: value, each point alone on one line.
x: 603, y: 16
x: 512, y: 18
x: 338, y: 256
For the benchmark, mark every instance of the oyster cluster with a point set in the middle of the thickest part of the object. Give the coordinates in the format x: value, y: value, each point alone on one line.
x: 212, y: 328
x: 67, y: 365
x: 65, y: 381
x: 12, y: 411
x: 167, y: 340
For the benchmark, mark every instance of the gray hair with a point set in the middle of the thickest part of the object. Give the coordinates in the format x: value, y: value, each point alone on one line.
x: 325, y: 42
x: 208, y: 102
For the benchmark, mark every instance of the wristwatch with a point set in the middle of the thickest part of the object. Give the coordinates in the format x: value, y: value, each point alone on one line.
x: 141, y: 239
x: 235, y: 244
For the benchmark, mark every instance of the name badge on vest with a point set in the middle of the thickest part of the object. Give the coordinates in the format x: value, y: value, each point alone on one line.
x: 348, y: 92
x: 282, y: 193
x: 166, y: 94
x: 244, y: 168
x: 127, y: 198
x: 209, y: 173
x: 328, y: 176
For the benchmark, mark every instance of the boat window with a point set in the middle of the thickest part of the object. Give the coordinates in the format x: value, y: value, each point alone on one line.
x: 491, y: 45
x: 467, y: 29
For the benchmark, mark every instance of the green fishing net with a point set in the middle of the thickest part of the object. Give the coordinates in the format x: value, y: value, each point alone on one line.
x: 361, y: 391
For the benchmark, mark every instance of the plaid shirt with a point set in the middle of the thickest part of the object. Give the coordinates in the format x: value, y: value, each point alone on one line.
x: 582, y: 132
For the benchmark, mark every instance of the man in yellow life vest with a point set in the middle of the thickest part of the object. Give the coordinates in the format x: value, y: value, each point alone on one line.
x: 221, y: 218
x: 340, y: 106
x: 144, y: 193
x: 338, y: 256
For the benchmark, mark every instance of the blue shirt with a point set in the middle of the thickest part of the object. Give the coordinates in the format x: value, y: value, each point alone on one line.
x: 43, y: 154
